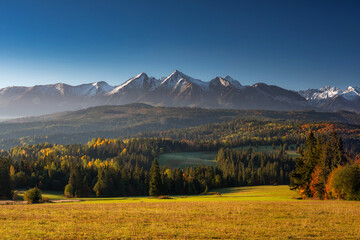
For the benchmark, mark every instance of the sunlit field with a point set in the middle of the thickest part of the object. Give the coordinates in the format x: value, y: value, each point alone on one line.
x: 262, y: 212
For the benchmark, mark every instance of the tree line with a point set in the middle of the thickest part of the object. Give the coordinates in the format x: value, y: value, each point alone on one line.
x: 112, y: 167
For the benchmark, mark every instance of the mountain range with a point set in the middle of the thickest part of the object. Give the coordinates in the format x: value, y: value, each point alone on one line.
x: 176, y: 90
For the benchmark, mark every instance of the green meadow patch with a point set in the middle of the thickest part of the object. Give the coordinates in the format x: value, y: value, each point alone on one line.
x: 191, y: 159
x: 187, y: 159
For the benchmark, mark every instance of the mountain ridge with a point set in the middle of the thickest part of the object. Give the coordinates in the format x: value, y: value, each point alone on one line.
x: 176, y: 90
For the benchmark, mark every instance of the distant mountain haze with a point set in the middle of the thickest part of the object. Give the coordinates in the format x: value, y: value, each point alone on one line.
x: 176, y: 90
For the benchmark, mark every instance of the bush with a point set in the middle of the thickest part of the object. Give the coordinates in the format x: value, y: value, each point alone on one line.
x: 346, y: 182
x: 33, y: 195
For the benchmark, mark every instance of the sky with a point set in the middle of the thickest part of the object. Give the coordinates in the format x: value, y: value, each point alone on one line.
x: 292, y: 44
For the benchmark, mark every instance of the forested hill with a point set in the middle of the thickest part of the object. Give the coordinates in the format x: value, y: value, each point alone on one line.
x: 199, y: 115
x: 130, y: 120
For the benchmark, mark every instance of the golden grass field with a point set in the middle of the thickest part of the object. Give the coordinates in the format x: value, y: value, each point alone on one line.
x: 263, y: 212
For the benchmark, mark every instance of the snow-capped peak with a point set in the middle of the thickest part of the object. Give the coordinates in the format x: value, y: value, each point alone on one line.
x: 50, y: 89
x: 139, y: 81
x: 103, y: 86
x: 133, y: 82
x: 351, y: 93
x: 99, y: 88
x: 88, y: 90
x: 225, y: 82
x: 173, y: 78
x: 328, y: 92
x: 177, y: 77
x: 233, y: 82
x: 230, y: 79
x: 330, y: 89
x: 321, y: 94
x: 352, y: 89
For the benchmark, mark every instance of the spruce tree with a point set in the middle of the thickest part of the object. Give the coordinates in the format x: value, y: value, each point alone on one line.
x: 300, y: 178
x: 155, y: 179
x: 101, y: 187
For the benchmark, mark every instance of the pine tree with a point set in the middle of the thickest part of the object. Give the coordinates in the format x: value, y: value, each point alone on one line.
x: 155, y: 180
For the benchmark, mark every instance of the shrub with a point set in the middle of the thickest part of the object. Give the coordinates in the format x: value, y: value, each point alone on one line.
x: 346, y: 182
x: 33, y: 195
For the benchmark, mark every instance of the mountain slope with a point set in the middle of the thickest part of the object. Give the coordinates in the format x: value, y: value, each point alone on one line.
x: 178, y: 90
x: 132, y: 90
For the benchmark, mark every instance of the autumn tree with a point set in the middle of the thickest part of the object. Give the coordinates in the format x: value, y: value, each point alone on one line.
x: 345, y: 182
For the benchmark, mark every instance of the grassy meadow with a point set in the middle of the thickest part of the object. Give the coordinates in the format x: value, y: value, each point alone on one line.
x: 191, y: 159
x: 187, y: 159
x: 262, y: 212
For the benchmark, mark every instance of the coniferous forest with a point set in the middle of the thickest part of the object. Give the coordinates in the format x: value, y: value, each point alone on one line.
x: 114, y: 167
x: 106, y: 168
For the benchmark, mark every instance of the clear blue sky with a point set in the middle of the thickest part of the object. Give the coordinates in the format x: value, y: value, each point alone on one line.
x: 293, y: 44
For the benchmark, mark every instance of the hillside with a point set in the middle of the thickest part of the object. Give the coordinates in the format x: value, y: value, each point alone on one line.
x: 130, y: 120
x: 105, y: 121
